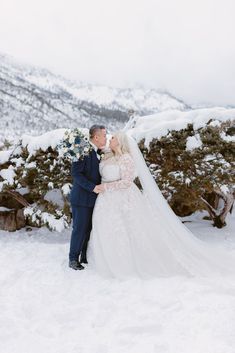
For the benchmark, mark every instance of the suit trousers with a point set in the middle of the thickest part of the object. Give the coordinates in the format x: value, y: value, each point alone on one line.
x: 82, y: 224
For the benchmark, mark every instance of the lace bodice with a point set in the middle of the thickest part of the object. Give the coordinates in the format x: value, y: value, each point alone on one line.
x: 117, y: 173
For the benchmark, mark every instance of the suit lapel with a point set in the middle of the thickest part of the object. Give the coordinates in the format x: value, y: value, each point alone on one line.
x: 94, y: 156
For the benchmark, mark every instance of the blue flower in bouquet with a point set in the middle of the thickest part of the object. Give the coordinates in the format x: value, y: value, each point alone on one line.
x: 74, y: 146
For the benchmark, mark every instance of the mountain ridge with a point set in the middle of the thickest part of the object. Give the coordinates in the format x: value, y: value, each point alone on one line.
x: 35, y: 100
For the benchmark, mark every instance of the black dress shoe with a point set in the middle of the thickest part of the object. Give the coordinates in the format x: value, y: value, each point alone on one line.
x: 75, y: 265
x: 83, y: 260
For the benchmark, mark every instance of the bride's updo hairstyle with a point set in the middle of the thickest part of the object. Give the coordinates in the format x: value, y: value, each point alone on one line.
x: 123, y: 143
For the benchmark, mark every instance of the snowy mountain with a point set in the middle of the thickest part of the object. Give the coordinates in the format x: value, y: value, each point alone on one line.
x: 33, y: 100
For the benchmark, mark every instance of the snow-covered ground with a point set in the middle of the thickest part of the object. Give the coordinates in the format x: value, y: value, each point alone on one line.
x: 45, y: 307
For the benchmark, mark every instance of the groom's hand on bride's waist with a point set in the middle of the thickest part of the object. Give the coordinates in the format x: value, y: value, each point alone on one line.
x: 98, y: 189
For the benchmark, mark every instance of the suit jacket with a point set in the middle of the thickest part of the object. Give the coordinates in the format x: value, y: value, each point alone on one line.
x: 86, y: 176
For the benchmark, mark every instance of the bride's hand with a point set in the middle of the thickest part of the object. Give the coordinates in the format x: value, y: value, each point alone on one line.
x: 102, y: 187
x: 98, y: 189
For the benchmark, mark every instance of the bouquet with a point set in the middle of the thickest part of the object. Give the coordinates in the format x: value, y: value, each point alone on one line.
x: 74, y: 146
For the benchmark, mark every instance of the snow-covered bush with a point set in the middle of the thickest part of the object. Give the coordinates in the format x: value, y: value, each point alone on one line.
x: 33, y: 173
x: 191, y: 156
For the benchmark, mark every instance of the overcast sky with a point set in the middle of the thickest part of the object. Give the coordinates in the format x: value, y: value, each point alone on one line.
x: 184, y: 46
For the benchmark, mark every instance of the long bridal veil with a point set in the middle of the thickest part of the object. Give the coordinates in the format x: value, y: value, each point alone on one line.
x: 195, y: 256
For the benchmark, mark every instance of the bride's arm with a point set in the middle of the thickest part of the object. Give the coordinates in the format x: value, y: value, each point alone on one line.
x: 127, y: 170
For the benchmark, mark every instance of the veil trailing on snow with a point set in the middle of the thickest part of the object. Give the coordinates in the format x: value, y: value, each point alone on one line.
x: 194, y: 255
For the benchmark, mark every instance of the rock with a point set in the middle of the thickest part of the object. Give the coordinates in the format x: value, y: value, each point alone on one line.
x: 20, y: 219
x: 12, y: 220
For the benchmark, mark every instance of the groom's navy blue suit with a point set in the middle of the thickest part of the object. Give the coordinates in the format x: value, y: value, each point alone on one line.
x: 86, y: 176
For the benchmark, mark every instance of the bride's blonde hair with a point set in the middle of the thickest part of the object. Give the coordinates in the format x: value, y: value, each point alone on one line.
x: 122, y: 148
x: 123, y: 143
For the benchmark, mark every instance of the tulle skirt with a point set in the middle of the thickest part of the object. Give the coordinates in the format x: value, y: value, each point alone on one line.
x: 131, y: 238
x: 127, y: 240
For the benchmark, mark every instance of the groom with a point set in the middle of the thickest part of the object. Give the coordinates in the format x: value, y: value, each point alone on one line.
x: 86, y: 187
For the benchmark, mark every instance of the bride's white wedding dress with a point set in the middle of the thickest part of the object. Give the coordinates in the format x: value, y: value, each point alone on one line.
x: 133, y: 235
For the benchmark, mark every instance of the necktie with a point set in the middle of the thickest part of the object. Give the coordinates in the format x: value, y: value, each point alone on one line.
x: 99, y: 151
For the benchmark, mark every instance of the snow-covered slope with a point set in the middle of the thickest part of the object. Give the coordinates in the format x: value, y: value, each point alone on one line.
x: 158, y: 125
x: 33, y: 101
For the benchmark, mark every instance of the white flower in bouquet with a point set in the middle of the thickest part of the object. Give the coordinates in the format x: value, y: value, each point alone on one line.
x: 71, y: 139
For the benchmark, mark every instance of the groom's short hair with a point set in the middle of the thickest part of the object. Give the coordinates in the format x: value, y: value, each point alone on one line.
x: 94, y: 128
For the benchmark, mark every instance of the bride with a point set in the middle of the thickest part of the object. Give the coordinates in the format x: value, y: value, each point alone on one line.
x: 135, y: 233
